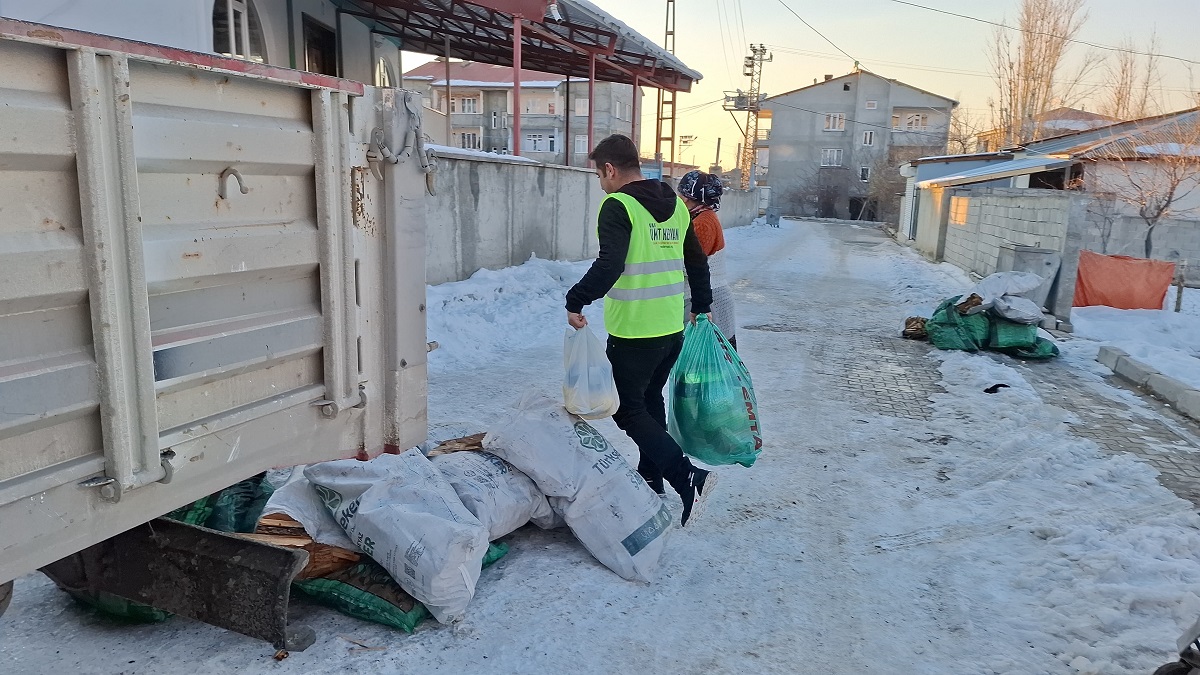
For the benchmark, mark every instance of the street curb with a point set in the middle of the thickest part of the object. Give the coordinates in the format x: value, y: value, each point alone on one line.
x: 1184, y: 397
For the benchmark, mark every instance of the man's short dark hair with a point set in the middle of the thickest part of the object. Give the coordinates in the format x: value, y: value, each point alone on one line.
x: 619, y: 151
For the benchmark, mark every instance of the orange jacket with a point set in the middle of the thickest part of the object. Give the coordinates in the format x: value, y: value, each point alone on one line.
x: 708, y: 230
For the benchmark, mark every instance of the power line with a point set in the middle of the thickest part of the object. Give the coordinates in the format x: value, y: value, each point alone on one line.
x: 724, y: 46
x: 1043, y: 34
x: 935, y: 69
x: 810, y: 26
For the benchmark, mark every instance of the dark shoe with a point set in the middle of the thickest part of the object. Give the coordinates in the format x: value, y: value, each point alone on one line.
x: 700, y: 485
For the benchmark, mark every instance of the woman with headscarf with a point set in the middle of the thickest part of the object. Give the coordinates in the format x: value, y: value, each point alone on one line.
x: 701, y: 192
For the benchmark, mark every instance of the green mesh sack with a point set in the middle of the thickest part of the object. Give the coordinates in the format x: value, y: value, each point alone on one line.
x: 1007, y: 334
x: 1041, y: 350
x: 366, y: 591
x: 116, y: 607
x: 238, y: 507
x: 713, y: 411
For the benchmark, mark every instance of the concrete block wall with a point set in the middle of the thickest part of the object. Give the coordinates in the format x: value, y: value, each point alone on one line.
x: 996, y: 216
x: 495, y: 213
x: 740, y: 207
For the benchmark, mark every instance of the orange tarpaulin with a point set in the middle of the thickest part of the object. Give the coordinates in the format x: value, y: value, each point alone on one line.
x: 1122, y: 282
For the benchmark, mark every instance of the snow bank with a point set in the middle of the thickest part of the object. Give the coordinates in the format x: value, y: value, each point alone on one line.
x: 1163, y: 340
x: 478, y: 320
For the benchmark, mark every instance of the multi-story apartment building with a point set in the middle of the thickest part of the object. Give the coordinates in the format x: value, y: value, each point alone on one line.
x: 554, y: 110
x: 834, y: 145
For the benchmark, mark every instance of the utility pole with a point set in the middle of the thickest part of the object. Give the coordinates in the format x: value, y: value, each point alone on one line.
x: 749, y: 101
x: 666, y: 99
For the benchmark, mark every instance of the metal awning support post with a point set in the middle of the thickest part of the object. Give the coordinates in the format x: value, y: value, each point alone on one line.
x: 517, y: 85
x: 633, y: 122
x: 591, y: 101
x: 568, y: 143
x: 449, y: 125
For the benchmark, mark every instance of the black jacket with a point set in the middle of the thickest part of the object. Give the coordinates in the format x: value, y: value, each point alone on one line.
x: 614, y: 229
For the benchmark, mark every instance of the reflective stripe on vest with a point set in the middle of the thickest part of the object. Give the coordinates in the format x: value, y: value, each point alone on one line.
x: 647, y: 300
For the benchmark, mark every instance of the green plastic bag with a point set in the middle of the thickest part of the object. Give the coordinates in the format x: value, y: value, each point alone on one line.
x: 366, y: 591
x: 713, y: 411
x: 947, y: 329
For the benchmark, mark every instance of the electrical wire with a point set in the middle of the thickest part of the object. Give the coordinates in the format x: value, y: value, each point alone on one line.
x: 1043, y: 34
x: 810, y: 27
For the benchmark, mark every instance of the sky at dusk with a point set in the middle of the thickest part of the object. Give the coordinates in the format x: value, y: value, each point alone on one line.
x: 943, y: 54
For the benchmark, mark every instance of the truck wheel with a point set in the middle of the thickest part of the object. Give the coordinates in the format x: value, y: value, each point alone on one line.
x: 1177, y: 668
x: 6, y: 593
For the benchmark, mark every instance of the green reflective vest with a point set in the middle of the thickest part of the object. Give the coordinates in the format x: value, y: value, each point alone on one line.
x: 647, y: 301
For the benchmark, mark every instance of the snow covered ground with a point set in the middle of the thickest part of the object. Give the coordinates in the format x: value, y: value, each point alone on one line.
x: 986, y: 539
x: 1167, y: 341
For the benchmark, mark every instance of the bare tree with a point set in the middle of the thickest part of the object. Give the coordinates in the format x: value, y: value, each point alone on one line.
x: 1154, y: 172
x: 1029, y: 68
x: 1134, y: 82
x: 963, y: 135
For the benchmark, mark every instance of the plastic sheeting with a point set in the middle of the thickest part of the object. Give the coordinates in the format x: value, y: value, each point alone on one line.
x: 1122, y: 282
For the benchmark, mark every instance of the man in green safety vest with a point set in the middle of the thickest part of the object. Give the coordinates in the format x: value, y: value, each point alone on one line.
x: 646, y: 243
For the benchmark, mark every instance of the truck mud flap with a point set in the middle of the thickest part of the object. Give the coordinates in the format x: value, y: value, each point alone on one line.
x: 203, y: 574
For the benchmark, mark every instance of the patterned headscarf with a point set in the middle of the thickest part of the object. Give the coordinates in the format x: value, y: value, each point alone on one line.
x: 702, y: 187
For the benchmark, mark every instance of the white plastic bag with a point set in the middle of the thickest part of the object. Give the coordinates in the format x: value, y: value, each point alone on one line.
x: 1017, y: 309
x: 400, y: 511
x: 1000, y: 284
x: 608, y: 506
x: 499, y: 495
x: 588, y: 386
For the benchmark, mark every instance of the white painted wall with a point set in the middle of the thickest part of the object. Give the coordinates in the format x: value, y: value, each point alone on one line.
x: 186, y: 24
x: 1112, y: 177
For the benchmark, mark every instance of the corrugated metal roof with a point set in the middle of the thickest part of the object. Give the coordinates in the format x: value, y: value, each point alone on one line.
x: 983, y: 174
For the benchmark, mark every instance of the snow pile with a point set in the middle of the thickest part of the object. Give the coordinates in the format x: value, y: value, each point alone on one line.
x: 1165, y: 341
x: 479, y: 320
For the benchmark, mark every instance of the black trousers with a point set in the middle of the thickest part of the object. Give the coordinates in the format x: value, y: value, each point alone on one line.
x: 641, y: 367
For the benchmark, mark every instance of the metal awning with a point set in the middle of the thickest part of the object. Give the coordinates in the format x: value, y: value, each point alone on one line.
x: 482, y: 30
x: 997, y: 171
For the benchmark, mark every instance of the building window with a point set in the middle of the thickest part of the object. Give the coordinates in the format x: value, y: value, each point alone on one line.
x: 581, y: 107
x: 872, y: 105
x: 320, y: 48
x: 236, y: 30
x: 868, y: 138
x: 468, y: 140
x: 383, y: 73
x: 464, y: 104
x: 864, y: 173
x: 552, y: 143
x: 581, y: 146
x: 535, y: 143
x: 845, y: 86
x: 831, y: 157
x: 896, y: 123
x: 958, y: 210
x: 550, y: 107
x: 835, y: 121
x: 916, y: 122
x: 495, y: 119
